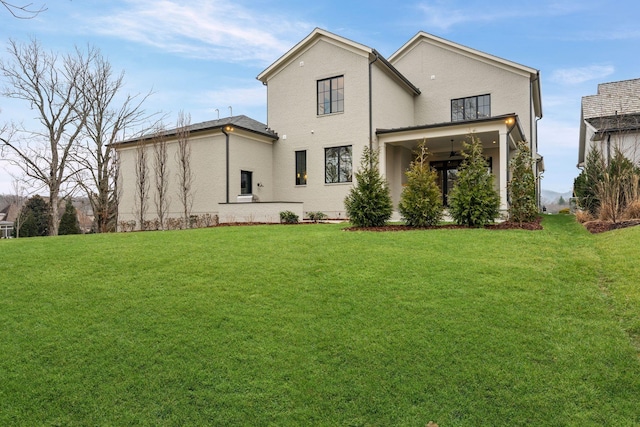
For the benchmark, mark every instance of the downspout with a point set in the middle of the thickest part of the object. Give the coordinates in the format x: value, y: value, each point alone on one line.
x: 371, y: 107
x: 227, y: 156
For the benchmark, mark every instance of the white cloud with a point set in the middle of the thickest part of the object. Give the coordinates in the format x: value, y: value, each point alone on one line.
x: 208, y: 29
x: 579, y: 75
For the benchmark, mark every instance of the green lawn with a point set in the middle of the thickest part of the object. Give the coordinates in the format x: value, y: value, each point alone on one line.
x: 311, y: 325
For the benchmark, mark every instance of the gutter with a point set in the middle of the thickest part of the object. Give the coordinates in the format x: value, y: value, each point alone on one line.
x: 227, y: 156
x: 377, y: 56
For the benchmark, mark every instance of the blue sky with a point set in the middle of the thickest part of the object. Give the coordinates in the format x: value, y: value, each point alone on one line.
x: 203, y: 55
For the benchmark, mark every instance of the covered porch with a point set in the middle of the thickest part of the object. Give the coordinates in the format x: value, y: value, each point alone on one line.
x: 499, y: 136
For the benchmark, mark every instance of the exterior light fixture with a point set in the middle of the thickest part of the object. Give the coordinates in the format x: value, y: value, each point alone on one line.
x: 509, y: 121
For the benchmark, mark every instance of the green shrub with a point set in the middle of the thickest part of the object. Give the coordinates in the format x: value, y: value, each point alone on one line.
x: 369, y: 204
x: 586, y: 184
x: 69, y: 222
x: 421, y: 201
x: 288, y: 217
x: 35, y: 218
x: 317, y: 216
x: 473, y: 201
x: 522, y: 187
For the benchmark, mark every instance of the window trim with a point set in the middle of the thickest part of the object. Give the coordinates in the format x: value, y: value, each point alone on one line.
x: 338, y: 165
x: 462, y: 110
x: 330, y: 92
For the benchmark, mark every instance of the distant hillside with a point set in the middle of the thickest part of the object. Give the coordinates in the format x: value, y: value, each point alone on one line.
x: 553, y: 197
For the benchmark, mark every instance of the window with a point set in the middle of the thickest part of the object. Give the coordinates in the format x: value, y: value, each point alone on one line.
x: 331, y: 95
x: 474, y: 107
x: 245, y: 182
x: 301, y: 168
x: 337, y: 164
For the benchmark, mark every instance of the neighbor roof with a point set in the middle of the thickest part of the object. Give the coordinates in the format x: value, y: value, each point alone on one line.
x: 622, y: 97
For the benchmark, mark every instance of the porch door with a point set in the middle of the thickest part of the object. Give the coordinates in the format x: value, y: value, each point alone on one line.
x: 447, y: 171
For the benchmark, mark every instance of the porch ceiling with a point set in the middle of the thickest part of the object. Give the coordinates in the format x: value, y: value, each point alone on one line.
x: 439, y: 137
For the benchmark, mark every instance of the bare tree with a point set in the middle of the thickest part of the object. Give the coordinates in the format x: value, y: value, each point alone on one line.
x: 24, y: 11
x: 17, y: 200
x: 56, y: 91
x: 183, y: 158
x: 160, y: 157
x: 142, y: 183
x: 108, y: 116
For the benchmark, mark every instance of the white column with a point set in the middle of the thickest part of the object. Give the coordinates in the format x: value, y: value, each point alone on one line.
x: 383, y: 159
x: 503, y: 171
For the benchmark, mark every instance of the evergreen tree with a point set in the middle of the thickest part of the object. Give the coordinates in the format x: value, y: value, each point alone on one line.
x: 368, y: 204
x: 473, y: 201
x: 562, y: 201
x: 522, y: 187
x: 69, y: 222
x: 585, y: 186
x: 35, y: 218
x: 421, y: 201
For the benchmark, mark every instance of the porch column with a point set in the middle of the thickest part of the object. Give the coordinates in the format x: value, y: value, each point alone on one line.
x: 383, y: 159
x: 503, y: 170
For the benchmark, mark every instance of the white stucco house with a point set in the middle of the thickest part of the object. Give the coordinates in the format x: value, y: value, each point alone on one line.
x: 328, y: 98
x: 610, y: 120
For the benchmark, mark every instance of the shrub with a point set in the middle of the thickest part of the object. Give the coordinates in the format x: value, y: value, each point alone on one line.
x: 317, y: 216
x: 473, y: 201
x: 522, y: 187
x: 632, y: 210
x: 585, y: 185
x: 583, y: 216
x: 564, y: 211
x: 69, y: 222
x: 288, y: 217
x: 35, y: 218
x: 421, y: 201
x: 368, y: 204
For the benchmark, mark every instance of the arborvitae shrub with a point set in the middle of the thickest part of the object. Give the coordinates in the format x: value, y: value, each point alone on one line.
x: 522, y: 187
x: 69, y: 222
x: 421, y: 201
x: 473, y: 201
x: 369, y: 204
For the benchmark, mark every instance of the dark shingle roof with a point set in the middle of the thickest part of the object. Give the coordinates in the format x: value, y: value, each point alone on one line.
x: 239, y: 122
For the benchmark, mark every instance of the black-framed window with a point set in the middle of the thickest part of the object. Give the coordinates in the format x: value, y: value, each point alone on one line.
x: 470, y: 108
x: 331, y: 95
x: 301, y: 167
x: 246, y: 178
x: 338, y: 164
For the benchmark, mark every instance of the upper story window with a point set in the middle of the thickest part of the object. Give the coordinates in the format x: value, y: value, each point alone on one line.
x: 471, y: 108
x: 331, y: 95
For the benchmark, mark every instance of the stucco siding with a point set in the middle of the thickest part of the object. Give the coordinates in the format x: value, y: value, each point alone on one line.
x: 292, y: 112
x: 443, y: 75
x: 208, y: 167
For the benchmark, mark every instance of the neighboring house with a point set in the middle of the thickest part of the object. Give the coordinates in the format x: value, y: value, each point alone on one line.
x: 610, y: 120
x: 8, y: 216
x: 329, y: 97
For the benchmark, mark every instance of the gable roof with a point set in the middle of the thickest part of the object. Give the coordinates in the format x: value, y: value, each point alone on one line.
x: 320, y: 34
x: 421, y: 36
x: 240, y: 122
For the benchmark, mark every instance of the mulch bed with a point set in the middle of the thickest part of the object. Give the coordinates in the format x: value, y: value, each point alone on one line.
x: 602, y: 226
x: 506, y: 225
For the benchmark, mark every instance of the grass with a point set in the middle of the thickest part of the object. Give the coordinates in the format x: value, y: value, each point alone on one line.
x: 310, y: 325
